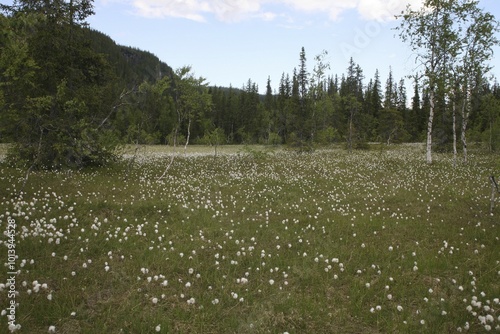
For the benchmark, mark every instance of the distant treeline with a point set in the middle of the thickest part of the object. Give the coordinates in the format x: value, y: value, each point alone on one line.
x: 312, y: 108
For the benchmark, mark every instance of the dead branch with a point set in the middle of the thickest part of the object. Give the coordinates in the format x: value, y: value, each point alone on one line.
x: 494, y: 191
x: 171, y: 158
x: 116, y: 106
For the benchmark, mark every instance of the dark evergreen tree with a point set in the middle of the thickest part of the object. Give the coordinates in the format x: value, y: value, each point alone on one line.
x: 391, y: 124
x: 403, y: 134
x: 416, y: 121
x: 351, y: 104
x: 295, y: 107
x: 302, y: 117
x: 59, y: 119
x: 283, y: 103
x: 303, y: 76
x: 373, y: 106
x: 271, y: 116
x: 376, y: 97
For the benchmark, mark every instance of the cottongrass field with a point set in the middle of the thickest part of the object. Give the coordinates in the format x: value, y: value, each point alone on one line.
x: 255, y: 241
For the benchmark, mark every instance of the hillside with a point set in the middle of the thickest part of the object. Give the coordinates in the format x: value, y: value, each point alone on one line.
x: 131, y: 65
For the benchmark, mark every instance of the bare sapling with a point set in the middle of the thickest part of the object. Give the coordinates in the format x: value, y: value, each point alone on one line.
x: 172, y: 156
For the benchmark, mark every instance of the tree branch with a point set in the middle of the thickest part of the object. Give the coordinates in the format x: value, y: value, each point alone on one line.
x: 494, y: 190
x: 116, y: 106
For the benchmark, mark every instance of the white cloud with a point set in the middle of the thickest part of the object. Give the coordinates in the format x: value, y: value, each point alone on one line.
x: 334, y: 8
x: 187, y: 9
x: 267, y: 16
x: 196, y: 10
x: 384, y: 10
x: 236, y: 10
x: 233, y: 10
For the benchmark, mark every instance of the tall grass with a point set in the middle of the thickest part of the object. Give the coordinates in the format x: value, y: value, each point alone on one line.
x: 374, y: 241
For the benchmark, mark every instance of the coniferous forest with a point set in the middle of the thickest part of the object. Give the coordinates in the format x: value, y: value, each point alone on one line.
x: 69, y: 95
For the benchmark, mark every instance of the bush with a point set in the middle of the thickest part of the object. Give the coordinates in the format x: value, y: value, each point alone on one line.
x: 91, y: 148
x: 274, y: 139
x: 298, y: 144
x: 327, y: 136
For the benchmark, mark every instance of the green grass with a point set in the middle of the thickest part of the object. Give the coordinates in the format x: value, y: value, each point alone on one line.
x: 369, y: 242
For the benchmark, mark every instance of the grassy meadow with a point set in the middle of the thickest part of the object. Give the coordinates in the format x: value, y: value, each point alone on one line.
x: 255, y: 241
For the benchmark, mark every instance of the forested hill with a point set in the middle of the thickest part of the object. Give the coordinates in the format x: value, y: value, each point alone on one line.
x: 131, y: 65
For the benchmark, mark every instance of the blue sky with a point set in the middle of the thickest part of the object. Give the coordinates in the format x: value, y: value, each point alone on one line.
x: 231, y: 41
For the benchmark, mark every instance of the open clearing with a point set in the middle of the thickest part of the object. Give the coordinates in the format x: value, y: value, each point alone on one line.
x: 254, y: 241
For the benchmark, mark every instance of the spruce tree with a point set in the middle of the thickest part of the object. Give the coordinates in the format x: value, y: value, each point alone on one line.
x: 56, y: 117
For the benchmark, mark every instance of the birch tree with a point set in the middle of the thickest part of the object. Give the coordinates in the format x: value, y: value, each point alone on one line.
x: 477, y: 37
x: 453, y: 41
x: 191, y: 99
x: 430, y: 34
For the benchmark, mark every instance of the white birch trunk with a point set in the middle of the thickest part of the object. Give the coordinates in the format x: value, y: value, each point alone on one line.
x: 429, y: 126
x: 465, y: 119
x: 455, y: 153
x: 188, y: 135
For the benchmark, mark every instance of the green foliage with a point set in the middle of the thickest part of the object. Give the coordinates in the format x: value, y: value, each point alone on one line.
x: 492, y: 137
x: 274, y: 139
x: 255, y: 153
x: 175, y: 139
x: 362, y: 145
x: 214, y: 138
x: 299, y: 145
x: 453, y: 41
x: 71, y: 142
x: 55, y: 89
x: 327, y: 136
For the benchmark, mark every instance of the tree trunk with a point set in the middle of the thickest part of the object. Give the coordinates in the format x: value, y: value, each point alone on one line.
x: 349, y: 138
x: 494, y: 190
x: 429, y: 126
x: 188, y: 135
x: 454, y: 135
x: 465, y: 119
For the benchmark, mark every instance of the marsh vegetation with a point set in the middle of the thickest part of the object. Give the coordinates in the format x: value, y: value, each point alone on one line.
x: 246, y: 242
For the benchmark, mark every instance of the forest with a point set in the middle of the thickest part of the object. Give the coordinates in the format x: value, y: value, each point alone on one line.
x: 70, y: 95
